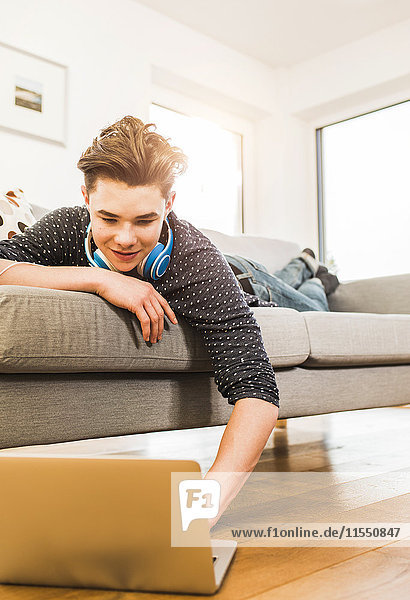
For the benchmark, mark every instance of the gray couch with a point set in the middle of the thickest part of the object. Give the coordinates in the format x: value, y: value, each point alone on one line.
x: 73, y: 366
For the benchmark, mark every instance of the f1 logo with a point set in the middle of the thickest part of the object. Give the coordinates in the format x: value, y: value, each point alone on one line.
x: 198, y: 500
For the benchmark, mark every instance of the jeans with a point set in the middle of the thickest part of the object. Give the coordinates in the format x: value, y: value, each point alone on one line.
x: 294, y: 286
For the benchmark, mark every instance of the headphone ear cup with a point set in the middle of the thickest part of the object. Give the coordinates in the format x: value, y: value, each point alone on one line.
x: 149, y: 266
x: 161, y: 265
x: 158, y: 259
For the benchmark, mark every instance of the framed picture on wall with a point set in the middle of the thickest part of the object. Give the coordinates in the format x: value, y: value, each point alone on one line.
x: 32, y: 95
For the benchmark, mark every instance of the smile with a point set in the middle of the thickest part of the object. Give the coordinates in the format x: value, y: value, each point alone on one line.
x: 126, y: 256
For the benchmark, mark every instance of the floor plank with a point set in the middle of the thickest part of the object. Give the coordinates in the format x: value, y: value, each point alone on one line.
x: 377, y: 574
x: 254, y: 571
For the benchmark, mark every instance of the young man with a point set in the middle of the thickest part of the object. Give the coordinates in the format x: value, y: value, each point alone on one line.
x: 129, y: 172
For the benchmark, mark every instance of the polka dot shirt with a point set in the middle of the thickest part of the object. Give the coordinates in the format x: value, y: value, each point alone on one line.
x: 198, y: 284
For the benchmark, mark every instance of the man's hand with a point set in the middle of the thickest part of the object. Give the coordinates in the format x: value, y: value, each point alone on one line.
x: 140, y: 298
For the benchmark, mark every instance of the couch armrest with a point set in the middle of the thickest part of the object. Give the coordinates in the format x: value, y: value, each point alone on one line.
x: 377, y: 295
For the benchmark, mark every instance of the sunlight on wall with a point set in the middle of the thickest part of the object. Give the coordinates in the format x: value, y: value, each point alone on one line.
x: 209, y: 194
x: 366, y: 191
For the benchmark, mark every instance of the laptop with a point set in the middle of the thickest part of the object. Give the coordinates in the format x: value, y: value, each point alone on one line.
x: 102, y: 522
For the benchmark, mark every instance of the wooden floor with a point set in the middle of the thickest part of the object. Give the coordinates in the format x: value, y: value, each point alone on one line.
x: 375, y: 441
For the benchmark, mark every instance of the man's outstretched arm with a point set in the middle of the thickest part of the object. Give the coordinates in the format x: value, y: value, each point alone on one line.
x: 248, y: 429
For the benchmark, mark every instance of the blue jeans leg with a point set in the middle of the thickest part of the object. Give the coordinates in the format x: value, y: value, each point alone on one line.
x: 314, y: 289
x: 310, y: 295
x: 295, y: 273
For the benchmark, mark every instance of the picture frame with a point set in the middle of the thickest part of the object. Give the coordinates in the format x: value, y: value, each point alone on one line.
x: 33, y: 95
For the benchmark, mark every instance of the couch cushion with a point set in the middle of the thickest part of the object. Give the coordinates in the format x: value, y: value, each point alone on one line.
x: 273, y: 254
x: 284, y: 335
x: 389, y: 294
x: 52, y: 331
x: 352, y: 339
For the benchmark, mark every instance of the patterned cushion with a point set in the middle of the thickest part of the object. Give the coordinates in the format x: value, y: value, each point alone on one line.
x: 15, y: 213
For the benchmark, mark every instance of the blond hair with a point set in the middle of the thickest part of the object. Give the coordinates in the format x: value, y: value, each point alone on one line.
x: 129, y: 152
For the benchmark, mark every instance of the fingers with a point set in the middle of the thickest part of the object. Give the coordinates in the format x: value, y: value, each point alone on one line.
x: 154, y: 322
x: 150, y: 311
x: 160, y: 313
x: 145, y: 321
x: 168, y: 310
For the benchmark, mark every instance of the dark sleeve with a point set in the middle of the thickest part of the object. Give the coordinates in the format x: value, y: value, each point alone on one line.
x: 209, y: 297
x: 54, y: 240
x: 253, y: 300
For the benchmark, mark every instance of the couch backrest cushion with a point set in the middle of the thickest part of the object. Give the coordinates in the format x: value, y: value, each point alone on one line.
x: 39, y: 211
x: 273, y: 254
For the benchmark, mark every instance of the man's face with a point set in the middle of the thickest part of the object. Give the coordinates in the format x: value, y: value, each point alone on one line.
x: 126, y: 222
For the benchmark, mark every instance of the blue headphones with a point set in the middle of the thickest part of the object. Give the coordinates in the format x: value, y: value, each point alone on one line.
x: 152, y: 267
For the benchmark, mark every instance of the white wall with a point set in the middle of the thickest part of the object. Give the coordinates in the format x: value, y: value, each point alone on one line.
x: 114, y: 49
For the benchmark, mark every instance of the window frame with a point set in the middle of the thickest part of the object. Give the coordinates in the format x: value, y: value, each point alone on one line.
x: 317, y: 128
x: 315, y: 120
x: 191, y: 107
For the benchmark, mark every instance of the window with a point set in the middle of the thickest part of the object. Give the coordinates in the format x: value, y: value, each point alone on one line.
x: 209, y: 194
x: 364, y: 194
